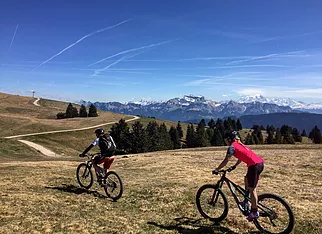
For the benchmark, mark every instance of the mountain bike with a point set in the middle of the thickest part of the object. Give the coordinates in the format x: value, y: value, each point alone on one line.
x: 111, y: 182
x: 275, y: 214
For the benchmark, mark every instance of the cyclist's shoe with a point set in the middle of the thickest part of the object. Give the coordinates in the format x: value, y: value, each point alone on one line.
x: 252, y: 216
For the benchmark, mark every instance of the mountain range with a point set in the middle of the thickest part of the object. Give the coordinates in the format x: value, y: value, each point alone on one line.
x: 192, y: 107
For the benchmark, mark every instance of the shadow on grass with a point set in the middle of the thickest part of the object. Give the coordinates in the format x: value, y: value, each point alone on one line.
x: 69, y: 188
x: 187, y: 225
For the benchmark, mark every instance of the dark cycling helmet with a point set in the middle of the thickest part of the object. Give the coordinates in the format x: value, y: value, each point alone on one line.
x: 231, y: 135
x: 99, y: 131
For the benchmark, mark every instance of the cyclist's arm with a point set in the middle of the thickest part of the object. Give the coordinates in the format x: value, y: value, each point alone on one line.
x: 88, y: 149
x: 237, y: 163
x: 229, y: 154
x: 223, y: 163
x: 95, y: 142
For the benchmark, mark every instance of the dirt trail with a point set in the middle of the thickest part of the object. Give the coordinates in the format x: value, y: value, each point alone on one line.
x: 36, y: 102
x: 68, y: 130
x: 50, y: 153
x: 41, y: 149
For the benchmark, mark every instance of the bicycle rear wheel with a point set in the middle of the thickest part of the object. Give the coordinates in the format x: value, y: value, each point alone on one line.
x: 275, y: 215
x: 84, y: 176
x: 212, y: 203
x: 113, y: 185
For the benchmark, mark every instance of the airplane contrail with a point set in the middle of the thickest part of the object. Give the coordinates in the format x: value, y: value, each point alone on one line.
x: 79, y: 40
x: 131, y: 50
x: 14, y: 35
x: 114, y: 63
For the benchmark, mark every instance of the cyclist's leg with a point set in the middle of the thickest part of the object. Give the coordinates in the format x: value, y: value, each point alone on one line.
x: 96, y: 161
x: 252, y: 177
x: 108, y: 161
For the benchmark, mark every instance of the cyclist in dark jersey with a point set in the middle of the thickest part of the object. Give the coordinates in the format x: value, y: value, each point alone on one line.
x: 107, y: 147
x: 254, y: 163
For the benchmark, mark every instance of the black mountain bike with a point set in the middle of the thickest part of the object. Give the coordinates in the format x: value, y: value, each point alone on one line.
x: 275, y: 214
x: 111, y: 182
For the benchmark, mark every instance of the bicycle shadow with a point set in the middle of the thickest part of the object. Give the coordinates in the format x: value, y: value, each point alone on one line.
x: 196, y: 227
x: 70, y: 188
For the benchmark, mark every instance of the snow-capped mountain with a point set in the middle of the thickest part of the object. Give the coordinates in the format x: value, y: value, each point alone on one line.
x: 191, y: 107
x: 297, y: 105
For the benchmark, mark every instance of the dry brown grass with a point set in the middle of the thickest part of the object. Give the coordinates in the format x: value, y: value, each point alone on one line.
x: 159, y: 196
x: 18, y: 116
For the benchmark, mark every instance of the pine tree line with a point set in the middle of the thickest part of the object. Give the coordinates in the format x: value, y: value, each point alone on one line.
x: 154, y: 137
x: 283, y: 135
x: 72, y: 112
x: 211, y: 134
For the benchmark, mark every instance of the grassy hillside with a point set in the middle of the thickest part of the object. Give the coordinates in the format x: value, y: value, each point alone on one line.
x: 159, y: 194
x: 18, y: 115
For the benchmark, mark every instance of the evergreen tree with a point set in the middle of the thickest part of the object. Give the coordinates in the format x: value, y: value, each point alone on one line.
x: 201, y: 135
x: 278, y: 137
x: 211, y: 123
x: 313, y: 132
x: 304, y: 133
x: 249, y: 140
x: 69, y: 111
x: 286, y: 130
x: 233, y: 124
x: 75, y: 112
x: 288, y: 139
x: 217, y: 139
x: 270, y: 129
x: 317, y: 138
x: 220, y: 126
x: 179, y: 130
x: 255, y: 138
x: 315, y: 135
x: 174, y: 135
x: 190, y: 137
x: 138, y: 138
x: 121, y: 135
x: 239, y: 125
x: 270, y: 138
x: 257, y: 135
x: 201, y: 139
x: 92, y: 111
x: 164, y: 138
x: 82, y: 111
x: 153, y: 136
x: 61, y: 115
x: 210, y: 133
x: 296, y: 135
x: 227, y: 125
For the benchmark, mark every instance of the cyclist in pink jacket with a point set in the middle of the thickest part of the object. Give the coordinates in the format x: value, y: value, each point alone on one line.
x: 255, y: 165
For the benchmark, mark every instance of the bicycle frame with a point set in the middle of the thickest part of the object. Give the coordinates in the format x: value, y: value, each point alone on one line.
x: 234, y: 187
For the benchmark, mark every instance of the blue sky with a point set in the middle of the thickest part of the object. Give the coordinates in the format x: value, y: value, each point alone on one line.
x: 128, y: 50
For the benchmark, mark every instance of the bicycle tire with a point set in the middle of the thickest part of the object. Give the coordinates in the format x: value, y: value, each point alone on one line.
x: 82, y: 172
x: 110, y: 184
x: 260, y: 221
x: 222, y: 199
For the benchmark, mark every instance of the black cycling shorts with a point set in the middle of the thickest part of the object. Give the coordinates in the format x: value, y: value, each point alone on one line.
x: 253, y: 173
x: 99, y: 158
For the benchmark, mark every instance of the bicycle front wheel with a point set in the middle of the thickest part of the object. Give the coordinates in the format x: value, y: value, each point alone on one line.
x: 275, y: 215
x: 113, y: 185
x: 84, y: 176
x: 212, y: 203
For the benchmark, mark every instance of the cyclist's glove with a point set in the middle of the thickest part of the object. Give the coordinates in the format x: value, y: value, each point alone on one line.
x: 231, y: 168
x: 215, y: 172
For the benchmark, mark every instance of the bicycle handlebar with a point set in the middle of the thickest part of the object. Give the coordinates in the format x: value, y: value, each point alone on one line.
x: 88, y: 155
x: 223, y: 171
